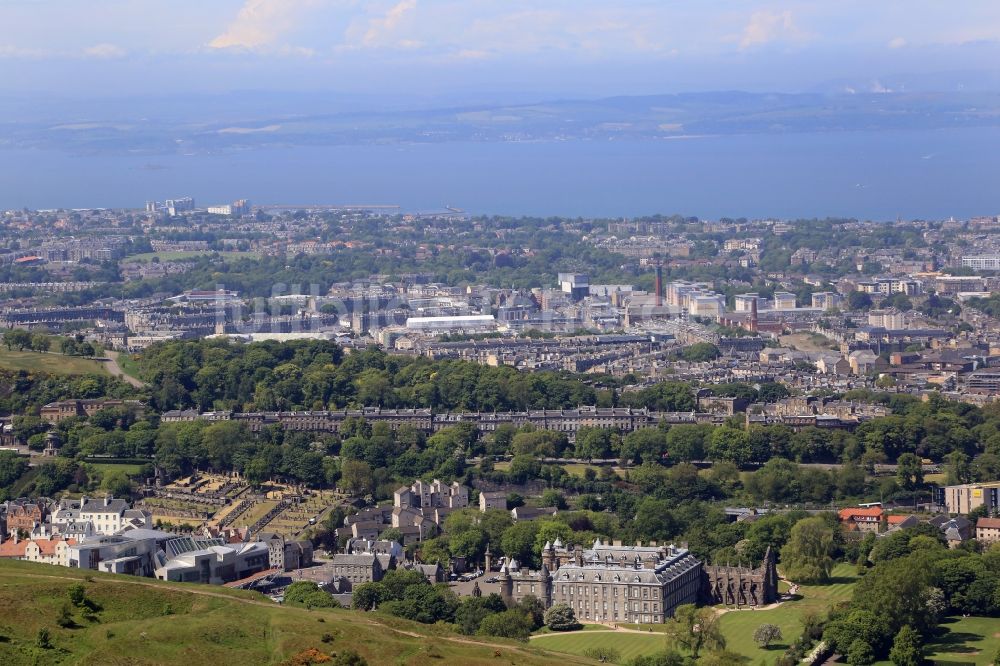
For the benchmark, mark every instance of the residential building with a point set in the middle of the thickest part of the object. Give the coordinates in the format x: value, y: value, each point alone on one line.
x: 55, y: 550
x: 988, y: 530
x: 962, y: 499
x: 862, y: 519
x: 492, y: 499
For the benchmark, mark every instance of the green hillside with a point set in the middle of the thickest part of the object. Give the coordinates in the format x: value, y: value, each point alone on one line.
x: 142, y: 621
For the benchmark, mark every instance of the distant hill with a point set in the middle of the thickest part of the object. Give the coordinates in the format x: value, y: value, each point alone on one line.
x: 143, y: 621
x: 211, y: 125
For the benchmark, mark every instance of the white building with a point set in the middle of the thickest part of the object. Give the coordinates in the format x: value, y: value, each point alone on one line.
x: 982, y: 262
x: 448, y: 324
x: 784, y: 300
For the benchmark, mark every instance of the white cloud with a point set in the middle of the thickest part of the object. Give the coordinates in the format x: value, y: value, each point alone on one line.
x: 765, y: 27
x: 382, y: 29
x: 897, y: 43
x: 9, y: 51
x: 260, y: 22
x: 104, y: 51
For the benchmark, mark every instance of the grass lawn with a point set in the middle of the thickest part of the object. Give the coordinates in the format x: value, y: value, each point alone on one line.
x: 129, y: 365
x: 968, y: 639
x: 175, y: 256
x: 143, y: 621
x: 128, y: 469
x: 627, y: 644
x: 738, y: 626
x: 56, y: 364
x: 578, y: 469
x: 256, y: 512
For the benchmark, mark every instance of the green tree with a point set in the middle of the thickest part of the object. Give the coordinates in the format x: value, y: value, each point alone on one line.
x: 686, y: 442
x: 806, y: 558
x: 730, y: 444
x: 860, y: 653
x: 40, y: 342
x: 356, y: 477
x: 644, y: 445
x: 17, y: 337
x: 909, y: 471
x: 77, y: 595
x: 473, y: 610
x: 518, y: 541
x: 766, y: 634
x: 369, y: 596
x: 695, y: 629
x: 117, y: 484
x: 959, y: 468
x: 700, y: 352
x: 508, y: 624
x: 561, y: 617
x: 907, y: 649
x: 309, y: 595
x: 858, y: 300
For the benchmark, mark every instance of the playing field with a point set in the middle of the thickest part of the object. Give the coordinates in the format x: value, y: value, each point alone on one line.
x: 56, y: 364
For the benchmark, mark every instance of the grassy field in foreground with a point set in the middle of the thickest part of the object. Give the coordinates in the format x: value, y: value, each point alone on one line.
x: 56, y: 364
x: 142, y: 621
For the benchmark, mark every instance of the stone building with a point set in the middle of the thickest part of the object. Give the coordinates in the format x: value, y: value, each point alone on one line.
x: 742, y: 586
x: 609, y: 583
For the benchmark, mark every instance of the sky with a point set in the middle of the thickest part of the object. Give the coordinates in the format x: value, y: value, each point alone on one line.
x: 503, y: 47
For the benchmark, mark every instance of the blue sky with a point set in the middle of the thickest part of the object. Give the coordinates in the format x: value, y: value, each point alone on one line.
x: 586, y: 47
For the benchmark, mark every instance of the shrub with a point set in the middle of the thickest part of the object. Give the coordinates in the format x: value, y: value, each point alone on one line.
x: 766, y: 634
x: 65, y: 618
x: 561, y: 618
x: 77, y: 595
x: 44, y: 639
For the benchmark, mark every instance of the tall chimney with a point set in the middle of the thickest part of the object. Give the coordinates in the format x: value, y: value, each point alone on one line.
x: 753, y: 316
x: 659, y: 286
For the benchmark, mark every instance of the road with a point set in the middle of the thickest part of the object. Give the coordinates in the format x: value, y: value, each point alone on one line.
x: 111, y: 363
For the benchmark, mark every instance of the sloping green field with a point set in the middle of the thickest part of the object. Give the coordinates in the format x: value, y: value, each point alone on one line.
x: 142, y: 621
x: 56, y: 364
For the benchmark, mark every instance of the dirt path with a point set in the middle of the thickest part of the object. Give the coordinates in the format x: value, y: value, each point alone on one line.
x: 111, y: 362
x: 609, y: 630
